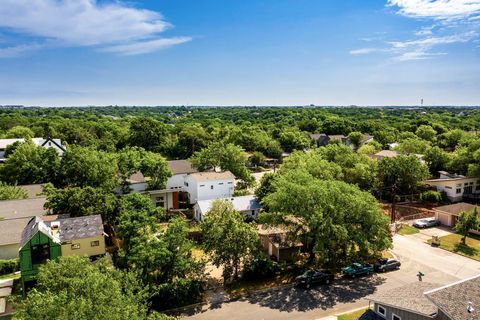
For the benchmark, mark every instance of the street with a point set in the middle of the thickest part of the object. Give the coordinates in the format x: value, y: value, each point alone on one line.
x: 288, y: 302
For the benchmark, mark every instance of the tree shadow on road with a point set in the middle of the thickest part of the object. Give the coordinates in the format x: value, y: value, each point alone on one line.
x: 290, y: 299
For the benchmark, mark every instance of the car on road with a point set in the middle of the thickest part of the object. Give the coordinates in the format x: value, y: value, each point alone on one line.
x: 357, y: 269
x: 313, y: 277
x: 426, y: 223
x: 384, y: 265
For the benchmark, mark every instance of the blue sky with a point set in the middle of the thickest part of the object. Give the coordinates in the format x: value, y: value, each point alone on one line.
x: 248, y: 52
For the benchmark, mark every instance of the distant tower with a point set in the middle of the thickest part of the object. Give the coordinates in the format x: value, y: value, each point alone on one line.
x: 421, y: 102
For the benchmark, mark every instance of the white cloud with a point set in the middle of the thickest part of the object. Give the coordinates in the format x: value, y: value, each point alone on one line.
x: 146, y: 46
x: 437, y: 9
x: 85, y: 23
x: 418, y: 54
x: 15, y: 51
x: 432, y: 41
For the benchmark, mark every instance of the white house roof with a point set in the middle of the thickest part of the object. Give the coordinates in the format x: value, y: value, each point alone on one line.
x: 212, y: 175
x: 243, y: 203
x: 4, y: 143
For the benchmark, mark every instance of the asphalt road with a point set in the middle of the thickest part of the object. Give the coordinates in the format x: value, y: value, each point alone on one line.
x: 291, y: 303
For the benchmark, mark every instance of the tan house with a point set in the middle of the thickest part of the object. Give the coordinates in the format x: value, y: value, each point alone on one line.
x: 275, y: 242
x: 80, y: 236
x: 448, y: 215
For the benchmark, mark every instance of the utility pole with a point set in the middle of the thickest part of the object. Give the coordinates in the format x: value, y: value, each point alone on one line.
x: 394, y: 196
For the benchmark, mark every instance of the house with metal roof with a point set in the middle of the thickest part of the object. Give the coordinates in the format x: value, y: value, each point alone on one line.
x: 40, y: 142
x: 247, y: 205
x: 47, y: 240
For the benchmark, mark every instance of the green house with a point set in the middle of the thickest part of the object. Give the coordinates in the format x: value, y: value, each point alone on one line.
x: 38, y: 244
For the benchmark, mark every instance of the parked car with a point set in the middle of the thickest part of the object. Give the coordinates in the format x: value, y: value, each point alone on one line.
x: 426, y: 223
x: 357, y: 269
x: 312, y: 277
x: 384, y: 265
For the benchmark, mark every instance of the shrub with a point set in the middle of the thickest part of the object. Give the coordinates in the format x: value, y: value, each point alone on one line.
x: 178, y: 293
x: 431, y: 196
x: 9, y: 266
x: 259, y: 268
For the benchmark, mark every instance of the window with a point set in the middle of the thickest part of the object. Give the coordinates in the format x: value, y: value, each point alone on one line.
x: 448, y: 187
x: 94, y: 243
x: 230, y: 182
x: 382, y: 311
x: 40, y: 253
x: 459, y: 190
x: 395, y: 317
x: 220, y: 183
x: 202, y: 185
x: 75, y: 246
x: 211, y: 187
x: 186, y: 184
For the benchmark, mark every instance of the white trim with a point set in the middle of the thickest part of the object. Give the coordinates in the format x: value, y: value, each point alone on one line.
x: 396, y: 315
x: 380, y: 313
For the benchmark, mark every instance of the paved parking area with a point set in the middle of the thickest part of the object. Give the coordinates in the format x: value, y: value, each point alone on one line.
x: 426, y: 234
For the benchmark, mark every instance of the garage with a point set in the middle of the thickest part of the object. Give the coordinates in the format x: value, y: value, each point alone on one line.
x: 445, y: 219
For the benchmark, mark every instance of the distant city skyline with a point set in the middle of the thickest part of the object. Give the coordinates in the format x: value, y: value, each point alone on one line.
x: 250, y: 52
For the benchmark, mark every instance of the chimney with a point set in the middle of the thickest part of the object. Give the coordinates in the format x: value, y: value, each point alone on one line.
x: 55, y: 227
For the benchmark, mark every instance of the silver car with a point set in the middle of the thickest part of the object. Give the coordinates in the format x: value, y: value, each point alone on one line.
x: 426, y: 223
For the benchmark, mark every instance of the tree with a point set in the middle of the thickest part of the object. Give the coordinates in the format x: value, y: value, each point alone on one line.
x: 87, y: 167
x: 258, y: 159
x: 228, y: 238
x: 314, y: 163
x: 8, y: 192
x: 403, y: 172
x: 74, y: 288
x: 335, y: 220
x: 150, y: 134
x: 266, y: 186
x: 412, y: 146
x: 436, y: 159
x: 226, y: 156
x: 30, y: 164
x: 155, y: 167
x: 19, y: 132
x: 466, y: 222
x: 77, y: 202
x: 355, y: 138
x: 294, y: 139
x: 129, y: 161
x: 426, y: 132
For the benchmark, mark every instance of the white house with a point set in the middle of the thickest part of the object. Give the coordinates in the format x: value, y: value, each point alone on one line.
x: 456, y: 186
x: 180, y: 169
x: 209, y: 185
x: 247, y: 205
x: 40, y: 142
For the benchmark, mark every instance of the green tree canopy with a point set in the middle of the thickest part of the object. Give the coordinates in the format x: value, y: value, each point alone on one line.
x: 19, y: 132
x: 337, y: 221
x: 12, y: 192
x: 227, y: 238
x: 466, y: 222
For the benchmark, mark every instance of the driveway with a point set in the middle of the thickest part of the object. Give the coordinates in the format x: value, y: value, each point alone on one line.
x: 426, y: 234
x: 439, y: 266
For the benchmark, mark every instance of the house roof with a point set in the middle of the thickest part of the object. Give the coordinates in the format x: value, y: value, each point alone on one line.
x: 10, y: 209
x: 277, y: 236
x: 181, y: 166
x: 33, y: 226
x: 243, y: 203
x: 370, y: 315
x: 212, y: 175
x: 79, y: 227
x: 386, y: 154
x: 320, y: 137
x: 137, y: 177
x: 409, y: 297
x: 38, y: 141
x: 340, y: 137
x: 455, y: 209
x: 453, y: 299
x: 12, y: 230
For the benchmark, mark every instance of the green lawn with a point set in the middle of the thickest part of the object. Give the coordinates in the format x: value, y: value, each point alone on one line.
x: 453, y: 243
x: 406, y: 230
x: 352, y: 316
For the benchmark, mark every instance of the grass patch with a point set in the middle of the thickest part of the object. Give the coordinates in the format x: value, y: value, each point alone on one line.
x: 406, y: 230
x: 453, y: 243
x: 352, y: 315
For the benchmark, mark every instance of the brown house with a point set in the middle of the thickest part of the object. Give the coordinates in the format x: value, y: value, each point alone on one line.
x: 275, y: 242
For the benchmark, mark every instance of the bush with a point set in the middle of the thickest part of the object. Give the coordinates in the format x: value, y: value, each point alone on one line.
x: 431, y: 196
x: 260, y: 268
x: 9, y: 266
